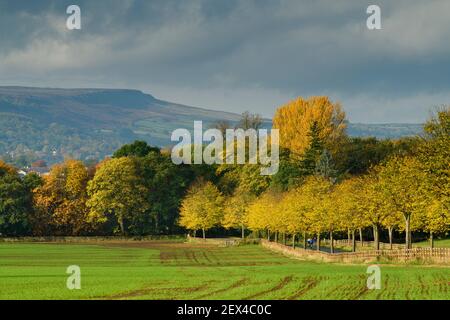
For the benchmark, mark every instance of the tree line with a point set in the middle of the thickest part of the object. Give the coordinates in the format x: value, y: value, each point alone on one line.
x: 136, y: 192
x: 328, y: 184
x: 401, y: 185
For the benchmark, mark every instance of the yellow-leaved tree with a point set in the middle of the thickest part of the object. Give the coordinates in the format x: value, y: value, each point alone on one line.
x: 434, y: 157
x: 61, y: 200
x: 295, y: 119
x: 374, y: 203
x: 392, y: 220
x: 118, y: 190
x: 347, y: 203
x: 295, y: 206
x: 434, y: 218
x: 236, y: 211
x: 316, y: 192
x: 403, y: 185
x: 202, y: 207
x: 6, y: 168
x: 262, y: 211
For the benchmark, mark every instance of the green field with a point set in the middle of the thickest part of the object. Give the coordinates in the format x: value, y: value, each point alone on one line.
x: 171, y: 270
x: 440, y: 243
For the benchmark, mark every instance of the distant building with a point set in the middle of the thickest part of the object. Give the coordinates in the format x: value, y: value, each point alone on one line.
x: 41, y: 171
x: 21, y: 173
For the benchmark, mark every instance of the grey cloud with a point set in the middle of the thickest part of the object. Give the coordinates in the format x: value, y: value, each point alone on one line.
x: 238, y: 54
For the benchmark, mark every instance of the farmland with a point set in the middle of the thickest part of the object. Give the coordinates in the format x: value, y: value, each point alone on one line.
x: 175, y: 270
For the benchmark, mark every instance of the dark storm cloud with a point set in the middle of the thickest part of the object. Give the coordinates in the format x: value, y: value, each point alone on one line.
x: 238, y: 54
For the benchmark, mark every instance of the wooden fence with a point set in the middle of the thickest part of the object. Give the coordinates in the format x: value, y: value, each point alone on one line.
x: 429, y: 255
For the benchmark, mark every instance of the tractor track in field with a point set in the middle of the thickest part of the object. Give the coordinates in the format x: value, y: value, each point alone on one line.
x: 206, y: 257
x: 310, y: 283
x: 343, y: 287
x: 361, y: 293
x: 424, y: 289
x: 361, y: 290
x: 384, y: 288
x: 279, y: 286
x: 145, y: 291
x: 237, y: 284
x: 191, y: 256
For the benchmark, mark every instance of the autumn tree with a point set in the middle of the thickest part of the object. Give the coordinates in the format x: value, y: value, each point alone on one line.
x: 296, y: 206
x: 117, y: 191
x: 316, y: 192
x: 435, y: 218
x: 236, y: 211
x: 277, y: 219
x: 350, y: 210
x: 373, y: 203
x: 332, y: 221
x: 296, y: 119
x: 261, y: 213
x: 202, y: 208
x: 434, y: 157
x: 61, y: 200
x: 434, y: 153
x: 6, y: 169
x: 246, y: 177
x: 391, y: 221
x: 402, y: 182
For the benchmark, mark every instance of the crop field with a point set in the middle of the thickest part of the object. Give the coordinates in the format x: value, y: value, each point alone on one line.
x: 173, y: 270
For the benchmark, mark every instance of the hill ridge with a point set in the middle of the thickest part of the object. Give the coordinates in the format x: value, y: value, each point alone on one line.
x: 53, y: 123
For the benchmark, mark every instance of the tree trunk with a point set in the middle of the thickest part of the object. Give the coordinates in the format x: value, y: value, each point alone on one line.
x: 204, y: 236
x: 276, y: 237
x: 195, y: 233
x: 121, y: 225
x: 349, y: 235
x: 318, y: 242
x: 284, y: 238
x: 293, y: 241
x: 431, y: 240
x: 268, y: 234
x: 331, y: 242
x: 304, y: 240
x: 361, y: 241
x: 156, y: 223
x: 390, y: 229
x: 376, y: 238
x: 353, y: 241
x: 408, y: 232
x: 243, y: 232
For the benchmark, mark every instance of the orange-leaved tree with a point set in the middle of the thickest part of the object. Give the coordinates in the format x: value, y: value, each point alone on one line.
x: 295, y: 119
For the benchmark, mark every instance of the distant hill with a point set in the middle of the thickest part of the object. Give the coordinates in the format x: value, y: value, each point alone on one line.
x: 50, y: 124
x: 385, y: 130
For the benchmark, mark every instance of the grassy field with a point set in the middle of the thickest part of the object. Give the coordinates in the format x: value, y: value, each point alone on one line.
x: 440, y: 243
x: 171, y: 270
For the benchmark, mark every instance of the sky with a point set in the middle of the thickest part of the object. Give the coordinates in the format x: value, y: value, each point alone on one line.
x: 237, y: 55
